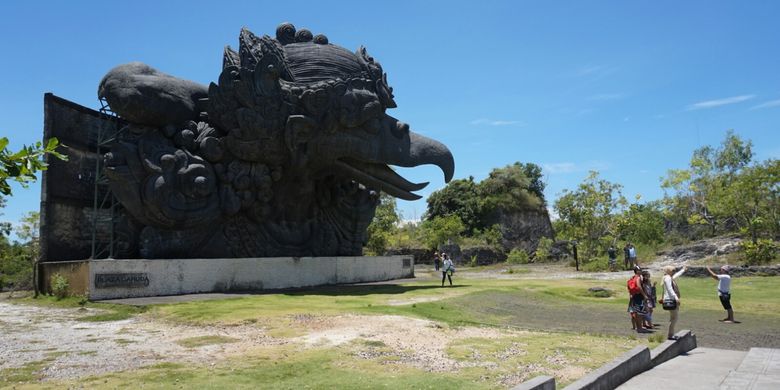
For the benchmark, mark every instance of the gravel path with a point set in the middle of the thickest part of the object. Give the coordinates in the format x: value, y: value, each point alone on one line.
x: 77, y: 348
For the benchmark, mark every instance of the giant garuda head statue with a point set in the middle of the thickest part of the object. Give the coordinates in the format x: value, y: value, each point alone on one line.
x: 284, y: 156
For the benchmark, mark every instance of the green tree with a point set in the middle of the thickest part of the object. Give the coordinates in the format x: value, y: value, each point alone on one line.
x: 383, y: 226
x: 461, y: 198
x: 587, y: 214
x: 514, y: 187
x: 511, y: 188
x: 21, y: 166
x: 17, y: 259
x: 734, y: 153
x: 752, y: 199
x: 5, y: 227
x: 703, y: 194
x: 441, y: 230
x: 641, y: 223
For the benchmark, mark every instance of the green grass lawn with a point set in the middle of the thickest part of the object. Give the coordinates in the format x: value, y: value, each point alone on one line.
x: 556, y: 325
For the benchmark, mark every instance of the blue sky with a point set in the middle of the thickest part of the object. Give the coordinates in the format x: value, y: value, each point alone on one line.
x: 625, y: 88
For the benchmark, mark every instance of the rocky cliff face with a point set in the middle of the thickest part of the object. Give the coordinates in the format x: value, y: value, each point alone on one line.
x: 522, y: 229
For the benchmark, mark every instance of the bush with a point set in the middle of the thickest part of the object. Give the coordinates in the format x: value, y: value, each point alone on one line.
x: 59, y: 286
x: 517, y: 256
x: 595, y: 265
x: 543, y: 249
x: 16, y: 267
x: 763, y: 251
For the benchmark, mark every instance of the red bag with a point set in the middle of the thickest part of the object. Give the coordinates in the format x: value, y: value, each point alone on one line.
x: 633, y: 285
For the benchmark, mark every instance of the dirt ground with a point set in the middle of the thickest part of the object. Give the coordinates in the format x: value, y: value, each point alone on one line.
x: 81, y: 349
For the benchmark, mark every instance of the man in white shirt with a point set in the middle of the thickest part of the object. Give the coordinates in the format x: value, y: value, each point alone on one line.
x: 724, y: 291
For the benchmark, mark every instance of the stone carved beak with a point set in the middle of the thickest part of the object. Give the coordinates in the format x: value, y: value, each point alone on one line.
x: 395, y: 145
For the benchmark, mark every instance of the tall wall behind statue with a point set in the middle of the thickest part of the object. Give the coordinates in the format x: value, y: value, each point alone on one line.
x: 68, y: 187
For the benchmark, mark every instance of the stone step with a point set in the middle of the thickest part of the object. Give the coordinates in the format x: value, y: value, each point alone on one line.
x: 759, y: 370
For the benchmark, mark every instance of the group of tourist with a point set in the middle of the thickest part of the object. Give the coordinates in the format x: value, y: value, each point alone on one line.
x: 629, y: 257
x: 642, y: 302
x: 444, y: 263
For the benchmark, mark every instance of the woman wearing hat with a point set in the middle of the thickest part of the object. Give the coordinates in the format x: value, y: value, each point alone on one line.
x: 724, y: 291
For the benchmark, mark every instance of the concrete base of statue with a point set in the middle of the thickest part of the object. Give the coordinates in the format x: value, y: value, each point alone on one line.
x: 130, y: 278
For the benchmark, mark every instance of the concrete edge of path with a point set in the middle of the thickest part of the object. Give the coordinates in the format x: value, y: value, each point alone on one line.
x: 670, y: 349
x: 542, y: 382
x: 612, y: 374
x: 625, y: 367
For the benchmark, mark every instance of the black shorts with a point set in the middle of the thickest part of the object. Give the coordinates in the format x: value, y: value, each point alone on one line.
x: 725, y: 300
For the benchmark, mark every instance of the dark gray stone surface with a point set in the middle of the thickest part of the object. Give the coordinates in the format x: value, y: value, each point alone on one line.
x: 670, y: 349
x: 542, y: 382
x: 283, y: 156
x: 612, y: 374
x: 522, y: 229
x: 68, y: 187
x: 144, y: 95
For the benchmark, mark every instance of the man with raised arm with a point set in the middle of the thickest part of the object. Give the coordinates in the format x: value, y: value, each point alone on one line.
x: 724, y: 291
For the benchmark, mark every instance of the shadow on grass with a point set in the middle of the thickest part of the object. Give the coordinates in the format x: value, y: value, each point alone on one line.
x: 361, y: 290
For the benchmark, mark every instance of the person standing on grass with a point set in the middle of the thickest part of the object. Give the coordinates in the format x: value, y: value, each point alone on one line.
x: 724, y: 292
x: 626, y: 255
x: 671, y: 294
x: 649, y: 288
x: 447, y: 269
x: 436, y: 260
x: 637, y: 303
x: 632, y: 255
x: 612, y: 258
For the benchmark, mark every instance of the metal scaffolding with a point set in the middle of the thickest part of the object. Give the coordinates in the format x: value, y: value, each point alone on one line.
x: 105, y: 205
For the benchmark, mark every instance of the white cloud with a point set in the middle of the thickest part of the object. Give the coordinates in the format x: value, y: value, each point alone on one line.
x: 570, y: 167
x: 719, y: 102
x: 771, y: 103
x: 494, y: 122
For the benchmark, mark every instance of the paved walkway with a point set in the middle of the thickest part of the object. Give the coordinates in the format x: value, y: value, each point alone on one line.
x: 701, y: 368
x: 760, y: 370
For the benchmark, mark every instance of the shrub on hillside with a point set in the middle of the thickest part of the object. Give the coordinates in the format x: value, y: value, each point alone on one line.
x: 762, y: 252
x: 517, y: 256
x: 543, y: 249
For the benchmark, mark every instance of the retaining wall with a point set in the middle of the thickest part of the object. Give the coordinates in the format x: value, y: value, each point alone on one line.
x: 130, y: 278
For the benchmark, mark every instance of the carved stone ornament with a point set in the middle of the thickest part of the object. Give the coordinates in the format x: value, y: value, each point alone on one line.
x: 283, y: 156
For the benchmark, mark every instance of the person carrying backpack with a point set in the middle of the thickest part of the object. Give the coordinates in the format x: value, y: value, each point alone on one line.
x: 636, y: 304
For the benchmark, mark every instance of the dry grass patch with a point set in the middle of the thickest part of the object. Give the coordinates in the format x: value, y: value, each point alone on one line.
x: 200, y: 341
